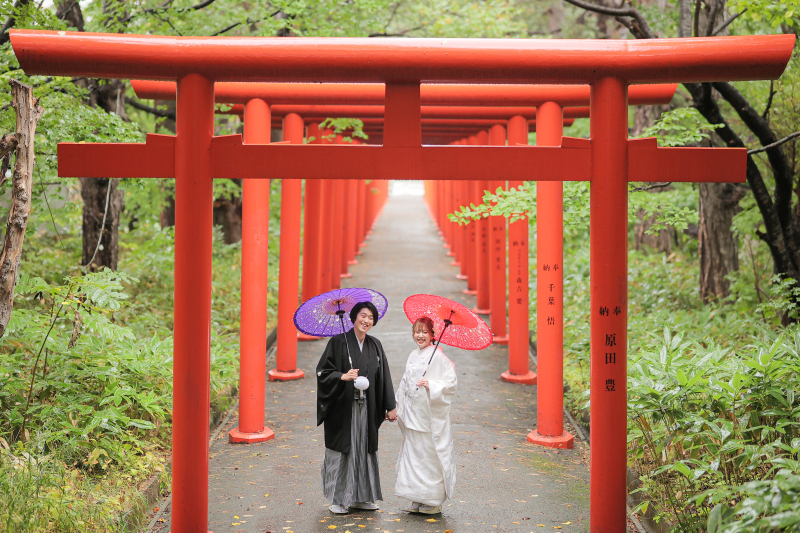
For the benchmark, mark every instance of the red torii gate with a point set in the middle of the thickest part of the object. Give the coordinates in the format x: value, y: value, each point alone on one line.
x: 255, y: 230
x: 195, y: 157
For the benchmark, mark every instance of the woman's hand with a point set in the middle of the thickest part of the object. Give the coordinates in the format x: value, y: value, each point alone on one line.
x: 422, y: 383
x: 351, y: 375
x: 391, y: 416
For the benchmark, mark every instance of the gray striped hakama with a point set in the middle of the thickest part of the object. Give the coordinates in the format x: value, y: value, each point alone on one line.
x: 349, y: 478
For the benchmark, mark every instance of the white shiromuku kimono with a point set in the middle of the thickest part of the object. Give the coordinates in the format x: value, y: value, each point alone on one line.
x: 426, y: 470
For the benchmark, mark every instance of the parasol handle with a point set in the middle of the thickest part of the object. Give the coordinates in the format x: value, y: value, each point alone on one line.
x: 435, y: 346
x: 346, y: 342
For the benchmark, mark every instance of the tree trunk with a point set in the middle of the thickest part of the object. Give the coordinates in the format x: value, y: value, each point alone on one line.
x: 168, y: 213
x: 661, y: 241
x: 95, y: 192
x: 109, y: 95
x: 644, y: 117
x: 228, y: 214
x: 718, y: 245
x: 28, y: 114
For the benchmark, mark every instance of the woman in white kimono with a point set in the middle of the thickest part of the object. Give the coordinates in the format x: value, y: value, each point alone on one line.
x: 426, y: 472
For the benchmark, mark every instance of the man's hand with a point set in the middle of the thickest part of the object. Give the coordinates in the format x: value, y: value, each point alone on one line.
x: 391, y: 416
x: 351, y: 375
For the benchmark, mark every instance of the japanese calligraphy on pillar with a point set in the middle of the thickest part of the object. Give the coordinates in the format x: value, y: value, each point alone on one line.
x: 610, y: 345
x: 519, y: 282
x: 550, y: 274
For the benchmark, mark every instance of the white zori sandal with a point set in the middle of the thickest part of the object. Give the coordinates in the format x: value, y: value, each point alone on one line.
x: 414, y: 507
x: 366, y: 506
x: 430, y: 509
x: 338, y: 509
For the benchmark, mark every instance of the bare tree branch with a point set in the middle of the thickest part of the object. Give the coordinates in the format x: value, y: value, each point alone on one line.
x: 136, y: 104
x: 651, y: 187
x: 775, y: 144
x: 725, y: 23
x: 639, y: 26
x: 769, y: 101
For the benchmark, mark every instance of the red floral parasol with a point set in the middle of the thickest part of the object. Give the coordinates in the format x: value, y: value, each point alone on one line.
x: 457, y: 326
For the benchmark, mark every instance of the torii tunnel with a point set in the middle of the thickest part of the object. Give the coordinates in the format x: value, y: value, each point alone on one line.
x: 484, y: 124
x: 608, y: 160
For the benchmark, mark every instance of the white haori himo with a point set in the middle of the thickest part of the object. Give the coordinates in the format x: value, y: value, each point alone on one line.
x: 426, y: 470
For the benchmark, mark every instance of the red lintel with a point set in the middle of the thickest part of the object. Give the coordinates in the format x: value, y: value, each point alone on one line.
x: 153, y: 159
x: 430, y: 94
x: 566, y: 61
x: 570, y: 162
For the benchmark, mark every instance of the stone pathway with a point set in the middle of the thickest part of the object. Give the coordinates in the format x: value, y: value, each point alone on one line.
x: 504, y: 484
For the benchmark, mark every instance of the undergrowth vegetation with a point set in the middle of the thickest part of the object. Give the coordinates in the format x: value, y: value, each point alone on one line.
x: 86, y: 373
x: 713, y: 402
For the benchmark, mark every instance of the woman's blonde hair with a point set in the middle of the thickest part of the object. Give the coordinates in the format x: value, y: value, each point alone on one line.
x: 425, y: 321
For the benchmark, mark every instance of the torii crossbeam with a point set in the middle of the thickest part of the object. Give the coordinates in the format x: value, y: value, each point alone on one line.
x: 194, y: 157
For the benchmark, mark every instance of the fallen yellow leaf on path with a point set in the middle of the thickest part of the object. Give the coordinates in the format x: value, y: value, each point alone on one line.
x: 431, y: 520
x: 566, y: 523
x: 267, y: 494
x: 331, y: 526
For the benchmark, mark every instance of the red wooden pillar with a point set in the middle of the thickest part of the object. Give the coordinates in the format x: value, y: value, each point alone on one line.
x: 289, y: 275
x: 192, y: 314
x: 518, y: 317
x: 311, y: 234
x: 255, y: 258
x: 337, y: 234
x: 550, y: 293
x: 352, y: 191
x: 455, y: 229
x: 448, y: 225
x: 497, y: 255
x: 462, y: 231
x: 472, y: 233
x: 608, y: 227
x: 326, y: 278
x: 482, y: 244
x: 440, y: 208
x: 362, y: 215
x: 369, y: 206
x: 338, y: 240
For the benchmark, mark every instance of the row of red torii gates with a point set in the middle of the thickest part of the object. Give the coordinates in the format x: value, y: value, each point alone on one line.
x: 194, y: 157
x: 480, y: 249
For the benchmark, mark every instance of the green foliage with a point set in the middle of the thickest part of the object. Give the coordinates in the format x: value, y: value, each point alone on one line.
x: 762, y: 506
x: 773, y: 13
x: 680, y: 127
x: 675, y: 207
x: 341, y: 125
x: 705, y: 418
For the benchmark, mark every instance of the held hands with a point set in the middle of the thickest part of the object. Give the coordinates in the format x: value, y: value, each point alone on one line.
x: 351, y: 375
x: 422, y: 383
x: 391, y: 416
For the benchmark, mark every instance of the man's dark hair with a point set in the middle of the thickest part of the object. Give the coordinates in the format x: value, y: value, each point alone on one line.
x: 361, y: 305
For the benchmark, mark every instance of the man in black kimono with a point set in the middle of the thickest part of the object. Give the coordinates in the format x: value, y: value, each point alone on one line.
x: 351, y: 416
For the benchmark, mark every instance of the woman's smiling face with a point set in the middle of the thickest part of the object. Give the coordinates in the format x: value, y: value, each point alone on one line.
x: 421, y: 335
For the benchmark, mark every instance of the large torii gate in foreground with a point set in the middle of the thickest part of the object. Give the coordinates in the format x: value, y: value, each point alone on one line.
x: 194, y: 157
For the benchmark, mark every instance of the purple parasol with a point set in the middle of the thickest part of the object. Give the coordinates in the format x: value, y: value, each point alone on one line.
x: 328, y: 314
